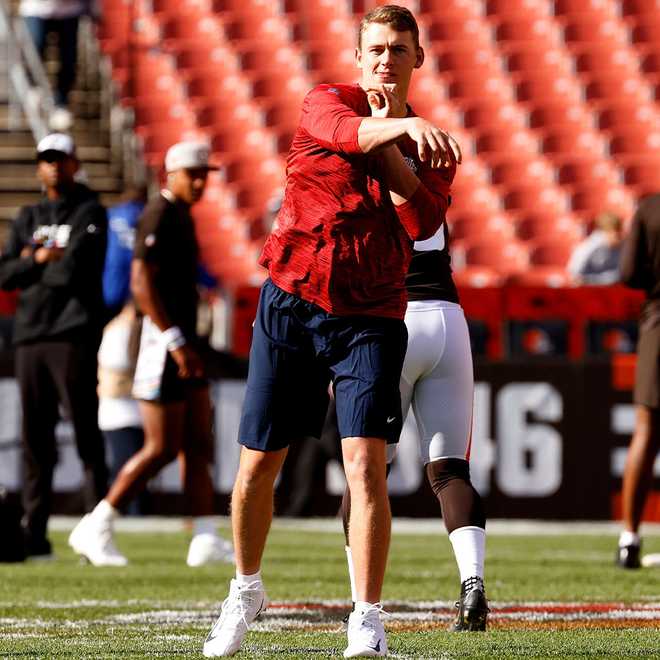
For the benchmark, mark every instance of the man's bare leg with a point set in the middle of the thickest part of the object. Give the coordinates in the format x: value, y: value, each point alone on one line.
x: 638, y: 472
x: 369, y: 531
x: 163, y: 436
x: 196, y: 456
x: 252, y: 505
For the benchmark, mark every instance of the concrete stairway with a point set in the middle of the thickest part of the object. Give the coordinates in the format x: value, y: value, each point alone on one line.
x: 18, y: 182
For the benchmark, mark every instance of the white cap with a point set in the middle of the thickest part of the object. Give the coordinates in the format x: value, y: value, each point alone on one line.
x: 57, y: 142
x: 188, y: 155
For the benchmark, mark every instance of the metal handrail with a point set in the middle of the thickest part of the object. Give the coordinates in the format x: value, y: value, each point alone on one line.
x: 29, y: 86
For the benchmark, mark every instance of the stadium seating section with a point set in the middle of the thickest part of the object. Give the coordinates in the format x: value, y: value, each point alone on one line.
x: 556, y: 105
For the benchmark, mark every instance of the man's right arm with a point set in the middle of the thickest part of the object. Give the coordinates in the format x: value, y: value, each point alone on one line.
x: 18, y: 267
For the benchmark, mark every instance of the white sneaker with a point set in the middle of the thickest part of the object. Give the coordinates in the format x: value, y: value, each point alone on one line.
x: 209, y: 548
x: 60, y: 119
x: 366, y: 635
x: 93, y: 540
x: 243, y: 605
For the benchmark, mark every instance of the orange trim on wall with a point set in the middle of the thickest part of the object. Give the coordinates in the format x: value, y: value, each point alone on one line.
x: 623, y: 371
x: 651, y: 509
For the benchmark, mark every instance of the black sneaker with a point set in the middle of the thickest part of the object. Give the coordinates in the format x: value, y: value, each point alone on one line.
x: 38, y: 549
x: 627, y: 556
x: 472, y: 606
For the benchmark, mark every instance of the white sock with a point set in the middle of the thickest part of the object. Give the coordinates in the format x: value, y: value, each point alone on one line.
x: 362, y: 606
x: 204, y: 525
x: 244, y: 580
x: 628, y: 538
x: 351, y: 573
x: 469, y: 545
x: 104, y: 511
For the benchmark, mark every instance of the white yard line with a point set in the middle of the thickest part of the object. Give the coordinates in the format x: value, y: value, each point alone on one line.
x: 157, y: 524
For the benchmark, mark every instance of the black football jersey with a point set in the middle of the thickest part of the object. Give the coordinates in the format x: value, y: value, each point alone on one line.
x: 429, y: 275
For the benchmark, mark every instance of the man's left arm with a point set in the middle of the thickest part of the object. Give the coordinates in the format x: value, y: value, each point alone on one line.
x: 420, y: 200
x: 84, y: 254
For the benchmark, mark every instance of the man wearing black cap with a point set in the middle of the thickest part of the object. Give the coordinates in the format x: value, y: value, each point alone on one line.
x: 55, y: 256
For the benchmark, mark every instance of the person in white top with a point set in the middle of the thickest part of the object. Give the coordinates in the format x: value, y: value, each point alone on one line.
x: 119, y: 413
x: 595, y: 260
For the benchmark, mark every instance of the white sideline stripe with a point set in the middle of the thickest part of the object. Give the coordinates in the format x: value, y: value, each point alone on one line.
x: 161, y: 524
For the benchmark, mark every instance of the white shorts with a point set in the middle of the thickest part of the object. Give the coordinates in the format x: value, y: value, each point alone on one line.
x: 438, y: 379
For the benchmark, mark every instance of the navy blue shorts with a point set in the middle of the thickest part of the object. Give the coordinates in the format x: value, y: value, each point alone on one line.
x: 298, y: 349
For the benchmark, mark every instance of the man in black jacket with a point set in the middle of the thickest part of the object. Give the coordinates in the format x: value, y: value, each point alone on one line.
x: 55, y: 256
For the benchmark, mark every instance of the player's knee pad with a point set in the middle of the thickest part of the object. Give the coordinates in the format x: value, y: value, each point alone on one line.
x: 442, y: 472
x: 461, y: 504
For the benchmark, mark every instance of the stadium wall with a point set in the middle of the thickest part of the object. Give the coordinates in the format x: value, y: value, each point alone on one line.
x: 549, y: 442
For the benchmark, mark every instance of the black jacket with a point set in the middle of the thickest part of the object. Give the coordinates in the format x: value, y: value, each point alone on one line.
x: 60, y: 299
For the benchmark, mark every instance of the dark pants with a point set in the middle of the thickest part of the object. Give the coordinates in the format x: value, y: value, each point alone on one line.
x: 48, y: 373
x: 121, y: 444
x: 67, y: 40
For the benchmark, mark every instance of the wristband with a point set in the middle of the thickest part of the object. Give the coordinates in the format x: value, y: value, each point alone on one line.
x: 173, y: 338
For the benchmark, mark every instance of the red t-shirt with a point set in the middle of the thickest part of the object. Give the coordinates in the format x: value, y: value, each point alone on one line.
x: 340, y: 242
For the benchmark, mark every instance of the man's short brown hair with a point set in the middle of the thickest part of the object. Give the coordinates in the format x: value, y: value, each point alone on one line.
x: 400, y: 18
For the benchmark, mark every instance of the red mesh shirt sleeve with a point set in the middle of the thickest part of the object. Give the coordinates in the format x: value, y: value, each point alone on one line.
x: 330, y: 121
x: 423, y: 214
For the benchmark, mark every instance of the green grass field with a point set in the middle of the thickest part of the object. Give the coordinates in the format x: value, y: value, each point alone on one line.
x: 551, y: 596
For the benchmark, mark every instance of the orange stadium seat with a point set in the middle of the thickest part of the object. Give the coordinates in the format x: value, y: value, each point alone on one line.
x: 646, y: 31
x: 635, y: 142
x: 634, y: 7
x: 598, y: 198
x: 513, y: 28
x: 621, y: 113
x: 507, y: 258
x: 650, y: 62
x: 569, y: 141
x: 485, y: 114
x: 520, y: 171
x: 616, y: 87
x: 528, y: 196
x: 535, y: 226
x: 202, y: 88
x: 478, y: 276
x: 456, y: 8
x: 643, y: 173
x: 465, y: 87
x: 558, y: 117
x: 191, y: 57
x: 460, y: 56
x: 531, y: 8
x: 588, y: 28
x: 587, y: 7
x: 539, y: 276
x: 482, y: 226
x: 550, y: 253
x: 506, y: 142
x: 457, y: 29
x: 548, y: 90
x: 534, y: 58
x: 573, y: 170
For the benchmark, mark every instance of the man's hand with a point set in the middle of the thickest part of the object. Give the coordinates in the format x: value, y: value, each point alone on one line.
x: 189, y: 363
x: 433, y: 144
x: 385, y: 102
x: 43, y: 255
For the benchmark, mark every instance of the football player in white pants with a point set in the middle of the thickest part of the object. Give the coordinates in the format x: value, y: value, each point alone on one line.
x: 437, y: 380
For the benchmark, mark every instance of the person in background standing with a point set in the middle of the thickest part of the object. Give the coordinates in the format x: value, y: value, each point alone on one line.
x: 55, y: 256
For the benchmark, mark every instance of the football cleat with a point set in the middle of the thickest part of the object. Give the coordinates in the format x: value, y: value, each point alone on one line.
x: 208, y: 549
x: 366, y: 635
x: 243, y: 605
x: 92, y: 539
x: 627, y: 556
x: 472, y: 606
